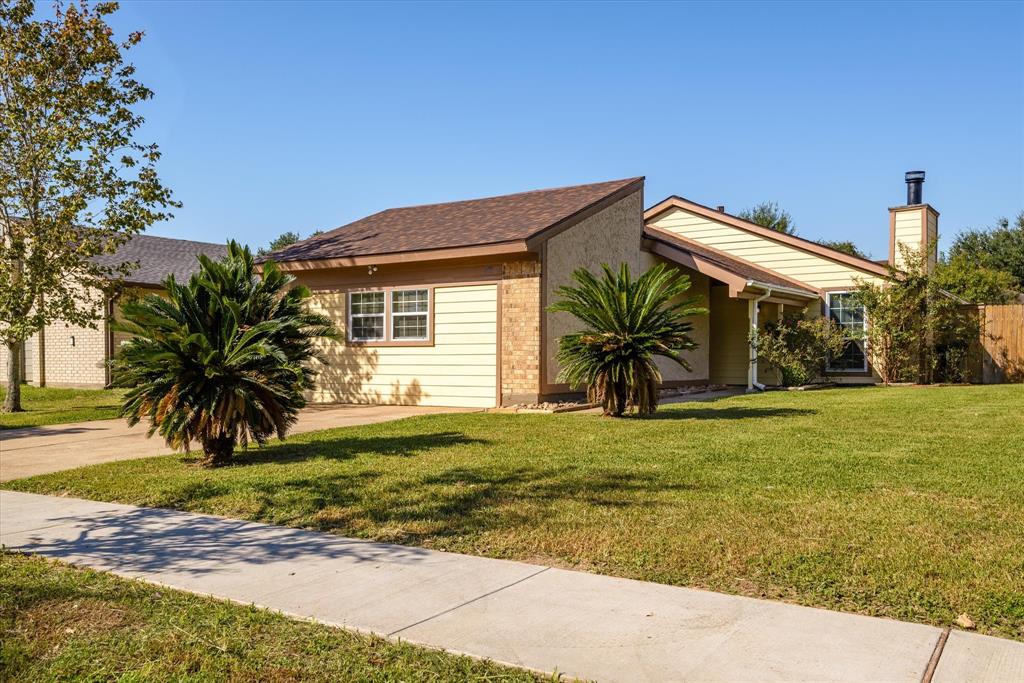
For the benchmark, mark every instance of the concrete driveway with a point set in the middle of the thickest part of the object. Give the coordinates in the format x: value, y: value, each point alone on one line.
x: 41, y: 450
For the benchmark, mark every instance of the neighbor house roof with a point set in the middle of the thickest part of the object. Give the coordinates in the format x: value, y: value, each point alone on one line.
x: 791, y: 240
x: 508, y: 223
x: 736, y: 272
x: 158, y: 257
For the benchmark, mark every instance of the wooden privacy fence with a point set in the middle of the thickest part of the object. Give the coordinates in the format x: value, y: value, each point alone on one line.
x: 1001, y: 343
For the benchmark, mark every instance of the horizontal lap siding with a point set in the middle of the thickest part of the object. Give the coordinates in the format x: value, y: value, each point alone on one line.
x: 795, y: 263
x: 730, y: 331
x: 907, y: 229
x: 460, y: 369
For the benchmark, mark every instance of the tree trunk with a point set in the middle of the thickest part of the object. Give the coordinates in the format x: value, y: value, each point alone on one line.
x: 12, y: 402
x: 218, y: 451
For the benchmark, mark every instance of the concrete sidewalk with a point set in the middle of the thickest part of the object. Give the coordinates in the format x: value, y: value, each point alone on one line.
x: 40, y: 450
x: 583, y: 625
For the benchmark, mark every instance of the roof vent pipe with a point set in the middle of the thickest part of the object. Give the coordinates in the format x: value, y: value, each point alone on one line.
x: 720, y: 208
x: 915, y: 180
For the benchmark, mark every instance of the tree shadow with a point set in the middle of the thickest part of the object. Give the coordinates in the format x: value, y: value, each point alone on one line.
x: 728, y: 413
x: 156, y: 540
x: 347, y: 447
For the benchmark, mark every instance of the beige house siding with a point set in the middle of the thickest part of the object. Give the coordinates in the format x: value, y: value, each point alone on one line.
x: 907, y: 229
x: 460, y: 369
x: 730, y: 353
x: 610, y: 236
x: 816, y: 271
x: 699, y: 358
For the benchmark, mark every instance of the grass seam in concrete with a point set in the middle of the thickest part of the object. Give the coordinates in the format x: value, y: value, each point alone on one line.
x: 933, y: 662
x: 467, y: 602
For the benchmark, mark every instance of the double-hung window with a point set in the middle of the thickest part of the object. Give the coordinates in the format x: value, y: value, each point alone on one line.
x: 366, y: 316
x: 410, y: 313
x: 392, y: 315
x: 848, y: 313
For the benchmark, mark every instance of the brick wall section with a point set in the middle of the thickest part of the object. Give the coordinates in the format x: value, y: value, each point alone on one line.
x: 520, y: 332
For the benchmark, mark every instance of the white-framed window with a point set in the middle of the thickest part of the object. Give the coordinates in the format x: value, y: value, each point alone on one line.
x: 410, y: 314
x: 366, y: 316
x: 844, y: 309
x: 390, y: 316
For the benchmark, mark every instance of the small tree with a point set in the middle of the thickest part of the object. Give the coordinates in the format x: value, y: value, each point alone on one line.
x: 628, y: 323
x: 916, y: 331
x: 799, y: 348
x: 283, y: 240
x: 74, y: 181
x: 769, y: 215
x: 224, y: 359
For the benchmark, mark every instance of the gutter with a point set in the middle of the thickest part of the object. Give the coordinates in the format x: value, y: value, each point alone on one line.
x: 752, y: 304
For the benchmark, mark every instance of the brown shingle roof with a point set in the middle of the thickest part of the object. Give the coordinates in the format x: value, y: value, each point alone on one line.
x: 475, y: 222
x: 744, y: 269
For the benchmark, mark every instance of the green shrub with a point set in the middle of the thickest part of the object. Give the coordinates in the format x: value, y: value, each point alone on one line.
x: 799, y: 347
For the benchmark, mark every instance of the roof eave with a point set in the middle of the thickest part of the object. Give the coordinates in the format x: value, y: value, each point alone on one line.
x: 500, y: 249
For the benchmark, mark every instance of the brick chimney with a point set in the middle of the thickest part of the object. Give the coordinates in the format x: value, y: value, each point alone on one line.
x: 915, y: 224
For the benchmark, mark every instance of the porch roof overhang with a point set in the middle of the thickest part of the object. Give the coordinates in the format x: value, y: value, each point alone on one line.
x: 745, y: 280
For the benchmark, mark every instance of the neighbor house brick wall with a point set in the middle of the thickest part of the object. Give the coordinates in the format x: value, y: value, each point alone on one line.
x: 520, y: 331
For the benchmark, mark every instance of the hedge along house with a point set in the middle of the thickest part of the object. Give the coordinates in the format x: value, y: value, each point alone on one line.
x: 65, y: 355
x: 446, y: 304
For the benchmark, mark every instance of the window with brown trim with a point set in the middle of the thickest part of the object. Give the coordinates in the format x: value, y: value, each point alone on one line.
x: 366, y: 316
x: 391, y: 316
x: 410, y: 313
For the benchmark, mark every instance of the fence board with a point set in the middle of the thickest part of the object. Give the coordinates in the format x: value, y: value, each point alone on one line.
x: 1002, y: 343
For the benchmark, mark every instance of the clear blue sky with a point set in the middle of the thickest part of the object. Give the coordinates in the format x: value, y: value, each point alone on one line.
x: 293, y: 116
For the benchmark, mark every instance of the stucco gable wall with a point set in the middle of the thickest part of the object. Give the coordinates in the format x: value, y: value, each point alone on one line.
x: 815, y: 271
x: 610, y: 236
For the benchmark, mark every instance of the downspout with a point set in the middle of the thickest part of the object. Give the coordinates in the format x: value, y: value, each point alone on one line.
x: 752, y: 382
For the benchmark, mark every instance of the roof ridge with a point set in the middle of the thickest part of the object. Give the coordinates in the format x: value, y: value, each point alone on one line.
x: 624, y: 181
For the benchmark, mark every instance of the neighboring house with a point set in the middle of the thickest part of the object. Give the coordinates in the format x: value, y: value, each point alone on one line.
x: 446, y: 304
x: 66, y: 355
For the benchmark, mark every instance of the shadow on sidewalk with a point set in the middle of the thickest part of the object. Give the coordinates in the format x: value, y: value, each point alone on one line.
x: 147, y: 539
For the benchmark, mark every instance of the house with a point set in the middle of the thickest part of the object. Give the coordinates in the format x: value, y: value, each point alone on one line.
x: 66, y: 355
x: 446, y: 304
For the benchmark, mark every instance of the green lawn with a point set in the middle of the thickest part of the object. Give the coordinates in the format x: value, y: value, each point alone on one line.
x: 62, y: 623
x: 50, y: 406
x: 900, y: 502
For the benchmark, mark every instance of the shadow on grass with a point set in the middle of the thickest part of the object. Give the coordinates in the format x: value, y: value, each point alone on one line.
x: 347, y: 447
x: 729, y: 413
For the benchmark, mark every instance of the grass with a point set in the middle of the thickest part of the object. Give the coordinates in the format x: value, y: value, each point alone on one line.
x: 63, y: 623
x: 902, y: 502
x: 50, y: 406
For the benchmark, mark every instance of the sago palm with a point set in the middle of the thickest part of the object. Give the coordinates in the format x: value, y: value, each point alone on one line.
x: 629, y: 322
x: 223, y: 359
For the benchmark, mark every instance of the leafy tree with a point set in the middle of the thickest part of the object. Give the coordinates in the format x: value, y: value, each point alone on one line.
x: 845, y: 246
x: 769, y: 215
x: 283, y: 240
x: 799, y: 348
x: 224, y: 359
x: 975, y: 283
x: 1001, y: 248
x: 916, y: 332
x: 74, y: 181
x: 628, y: 323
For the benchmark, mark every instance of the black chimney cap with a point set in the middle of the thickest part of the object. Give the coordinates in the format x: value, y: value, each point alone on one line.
x: 914, y: 176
